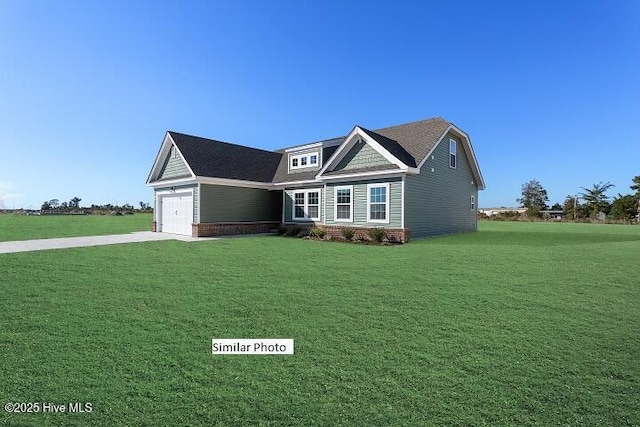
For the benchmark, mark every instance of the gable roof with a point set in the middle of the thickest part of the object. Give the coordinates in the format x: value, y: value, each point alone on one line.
x: 217, y: 159
x: 393, y: 147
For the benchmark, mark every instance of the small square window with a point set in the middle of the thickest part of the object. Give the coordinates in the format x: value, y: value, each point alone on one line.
x: 294, y: 162
x: 313, y: 159
x: 303, y: 161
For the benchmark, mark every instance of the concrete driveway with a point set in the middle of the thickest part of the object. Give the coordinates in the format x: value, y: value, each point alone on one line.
x: 78, y: 242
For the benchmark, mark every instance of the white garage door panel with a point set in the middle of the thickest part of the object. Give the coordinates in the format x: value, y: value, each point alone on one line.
x: 177, y: 213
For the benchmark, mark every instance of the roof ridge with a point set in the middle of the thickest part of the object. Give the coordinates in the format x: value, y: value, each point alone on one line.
x: 437, y: 118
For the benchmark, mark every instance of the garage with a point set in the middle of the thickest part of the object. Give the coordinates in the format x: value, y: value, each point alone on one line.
x: 176, y: 213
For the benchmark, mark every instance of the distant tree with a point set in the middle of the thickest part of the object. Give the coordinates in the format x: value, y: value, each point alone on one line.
x: 596, y: 198
x: 636, y: 186
x: 534, y: 198
x: 45, y: 206
x: 75, y: 202
x: 573, y: 209
x: 64, y: 206
x: 556, y: 207
x: 624, y: 207
x: 54, y: 203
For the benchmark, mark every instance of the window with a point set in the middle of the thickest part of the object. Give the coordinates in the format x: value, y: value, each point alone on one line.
x: 452, y: 153
x: 378, y: 202
x: 473, y: 203
x: 343, y: 203
x: 172, y: 150
x: 299, y: 161
x: 306, y: 205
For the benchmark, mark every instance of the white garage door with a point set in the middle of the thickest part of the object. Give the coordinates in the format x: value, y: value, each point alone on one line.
x: 177, y: 213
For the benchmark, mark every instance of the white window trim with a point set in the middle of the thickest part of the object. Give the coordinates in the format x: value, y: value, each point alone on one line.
x: 335, y: 203
x: 451, y: 153
x: 473, y: 203
x: 308, y: 160
x: 388, y: 197
x: 306, y: 204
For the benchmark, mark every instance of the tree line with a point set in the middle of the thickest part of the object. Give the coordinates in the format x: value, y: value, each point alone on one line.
x: 73, y: 206
x: 593, y: 202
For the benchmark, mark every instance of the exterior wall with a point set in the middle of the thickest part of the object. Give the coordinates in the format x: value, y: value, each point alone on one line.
x: 360, y: 203
x: 288, y: 203
x: 174, y: 168
x: 196, y: 201
x: 437, y: 201
x: 224, y: 204
x: 230, y: 229
x: 361, y: 155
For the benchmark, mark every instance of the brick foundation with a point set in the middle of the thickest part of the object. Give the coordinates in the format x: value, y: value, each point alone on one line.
x: 154, y: 226
x: 393, y: 234
x: 232, y: 228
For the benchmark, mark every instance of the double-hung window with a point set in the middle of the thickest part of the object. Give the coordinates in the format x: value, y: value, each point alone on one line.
x: 453, y: 160
x: 306, y: 205
x: 343, y: 209
x: 378, y: 202
x: 473, y: 203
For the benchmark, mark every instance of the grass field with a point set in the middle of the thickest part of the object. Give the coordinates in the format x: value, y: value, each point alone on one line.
x: 518, y: 324
x: 22, y: 227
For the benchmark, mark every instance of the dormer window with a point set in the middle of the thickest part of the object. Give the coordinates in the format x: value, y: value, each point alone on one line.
x: 307, y: 160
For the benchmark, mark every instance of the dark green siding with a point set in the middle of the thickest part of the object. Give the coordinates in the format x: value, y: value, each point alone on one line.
x: 360, y: 203
x: 361, y: 155
x: 238, y: 204
x: 288, y: 203
x: 438, y: 200
x: 174, y: 167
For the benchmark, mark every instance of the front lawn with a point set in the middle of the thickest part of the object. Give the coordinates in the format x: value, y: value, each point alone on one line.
x: 26, y: 227
x: 518, y: 324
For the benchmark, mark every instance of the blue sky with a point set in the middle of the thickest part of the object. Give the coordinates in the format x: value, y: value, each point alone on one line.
x: 547, y: 90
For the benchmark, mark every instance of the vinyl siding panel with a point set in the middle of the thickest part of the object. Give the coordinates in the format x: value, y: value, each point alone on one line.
x: 174, y: 167
x: 360, y: 203
x: 288, y: 203
x: 437, y: 201
x: 219, y: 203
x: 361, y: 155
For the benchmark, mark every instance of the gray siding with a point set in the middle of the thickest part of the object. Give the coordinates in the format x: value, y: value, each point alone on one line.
x: 174, y: 167
x: 360, y: 203
x: 361, y: 155
x: 437, y: 201
x: 238, y: 204
x: 196, y: 198
x: 288, y: 203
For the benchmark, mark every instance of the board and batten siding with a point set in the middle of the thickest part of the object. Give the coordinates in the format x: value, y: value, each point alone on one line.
x: 174, y: 167
x: 361, y: 155
x: 288, y: 203
x: 178, y: 189
x: 438, y: 200
x: 220, y: 203
x: 360, y: 203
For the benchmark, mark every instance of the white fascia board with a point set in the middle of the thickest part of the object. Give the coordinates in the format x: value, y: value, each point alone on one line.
x: 364, y: 175
x: 167, y: 142
x: 233, y: 182
x: 349, y: 142
x: 289, y: 183
x: 172, y: 182
x: 466, y: 145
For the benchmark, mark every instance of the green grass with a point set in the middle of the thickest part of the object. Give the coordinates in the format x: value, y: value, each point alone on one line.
x: 22, y: 227
x: 519, y: 324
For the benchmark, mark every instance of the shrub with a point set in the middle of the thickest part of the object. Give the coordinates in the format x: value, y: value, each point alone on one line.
x: 377, y: 234
x: 348, y: 233
x: 293, y: 231
x: 316, y: 232
x: 281, y: 229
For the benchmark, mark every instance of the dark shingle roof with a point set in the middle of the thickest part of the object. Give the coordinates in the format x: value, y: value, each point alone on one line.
x: 409, y: 142
x: 417, y: 138
x: 217, y: 159
x: 393, y: 147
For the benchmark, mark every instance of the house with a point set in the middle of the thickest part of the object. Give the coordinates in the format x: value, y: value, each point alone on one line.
x: 417, y: 179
